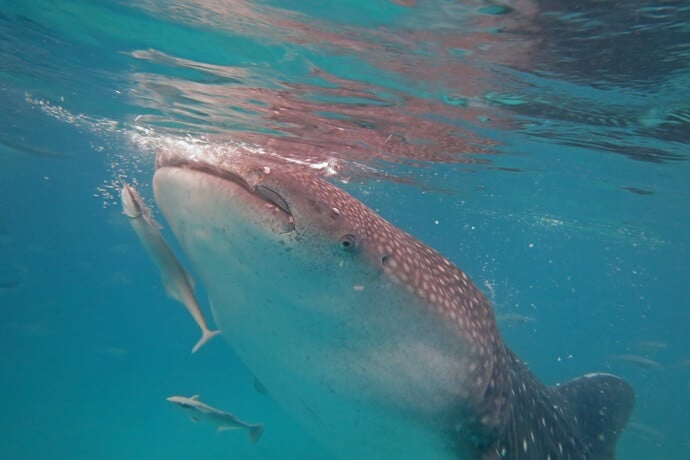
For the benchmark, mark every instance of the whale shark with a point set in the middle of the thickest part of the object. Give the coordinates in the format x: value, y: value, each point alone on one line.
x: 377, y: 344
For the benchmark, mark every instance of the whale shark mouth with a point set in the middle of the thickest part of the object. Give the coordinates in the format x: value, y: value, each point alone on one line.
x: 207, y: 166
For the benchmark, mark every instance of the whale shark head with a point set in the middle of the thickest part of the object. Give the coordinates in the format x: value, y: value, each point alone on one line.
x: 348, y: 320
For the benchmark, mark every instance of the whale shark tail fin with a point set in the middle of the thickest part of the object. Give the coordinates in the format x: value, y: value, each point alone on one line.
x: 602, y: 404
x: 205, y: 337
x: 255, y: 432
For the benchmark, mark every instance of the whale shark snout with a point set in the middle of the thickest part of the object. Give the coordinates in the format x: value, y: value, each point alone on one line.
x: 351, y: 322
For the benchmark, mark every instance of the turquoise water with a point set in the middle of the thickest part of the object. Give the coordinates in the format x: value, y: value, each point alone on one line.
x: 542, y: 148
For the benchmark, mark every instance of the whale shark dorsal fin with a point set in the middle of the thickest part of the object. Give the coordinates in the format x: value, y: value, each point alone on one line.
x: 194, y: 397
x: 602, y: 404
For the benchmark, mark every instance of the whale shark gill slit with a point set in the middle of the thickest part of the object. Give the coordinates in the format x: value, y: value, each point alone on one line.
x: 387, y: 337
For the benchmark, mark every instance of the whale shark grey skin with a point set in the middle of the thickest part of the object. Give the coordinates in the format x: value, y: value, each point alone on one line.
x: 375, y: 342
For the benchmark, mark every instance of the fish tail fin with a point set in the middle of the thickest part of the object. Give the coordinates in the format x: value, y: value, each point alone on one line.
x: 602, y: 403
x: 255, y: 432
x: 206, y: 335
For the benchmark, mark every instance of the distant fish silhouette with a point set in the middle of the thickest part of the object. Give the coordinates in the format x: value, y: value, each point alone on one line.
x: 685, y: 363
x: 651, y: 345
x: 646, y: 431
x: 32, y: 149
x: 10, y: 284
x: 638, y: 190
x: 641, y: 361
x: 514, y: 318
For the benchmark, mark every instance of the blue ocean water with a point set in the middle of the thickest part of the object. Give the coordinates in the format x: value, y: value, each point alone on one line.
x: 542, y: 146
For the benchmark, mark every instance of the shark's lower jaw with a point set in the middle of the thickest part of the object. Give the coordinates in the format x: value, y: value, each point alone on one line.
x: 352, y: 356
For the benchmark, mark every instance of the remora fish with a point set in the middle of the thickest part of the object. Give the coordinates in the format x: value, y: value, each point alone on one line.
x: 376, y: 343
x: 223, y: 420
x: 178, y: 283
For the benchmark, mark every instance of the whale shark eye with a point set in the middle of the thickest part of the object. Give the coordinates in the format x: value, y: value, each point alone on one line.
x: 348, y: 241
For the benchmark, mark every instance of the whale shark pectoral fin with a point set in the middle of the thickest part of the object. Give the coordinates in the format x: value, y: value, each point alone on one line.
x: 603, y: 404
x: 206, y: 335
x: 193, y: 419
x: 194, y: 397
